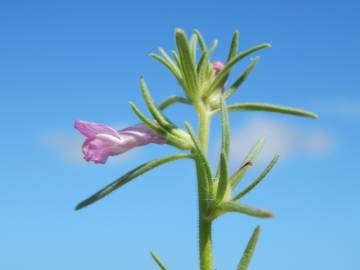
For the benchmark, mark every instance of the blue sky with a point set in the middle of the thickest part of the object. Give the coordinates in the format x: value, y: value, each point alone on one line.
x: 67, y: 60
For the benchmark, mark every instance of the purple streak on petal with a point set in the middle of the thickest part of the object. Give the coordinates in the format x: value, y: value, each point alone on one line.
x: 143, y: 133
x: 90, y: 129
x: 103, y: 141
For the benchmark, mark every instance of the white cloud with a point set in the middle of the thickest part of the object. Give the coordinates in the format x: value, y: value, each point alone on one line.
x: 281, y: 137
x: 344, y: 108
x: 65, y: 145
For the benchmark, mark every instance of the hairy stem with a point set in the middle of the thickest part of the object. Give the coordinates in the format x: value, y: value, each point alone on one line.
x: 205, y: 242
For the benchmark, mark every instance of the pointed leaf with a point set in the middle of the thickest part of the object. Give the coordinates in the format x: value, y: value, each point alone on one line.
x: 258, y: 179
x: 201, y: 40
x: 158, y: 261
x: 249, y: 251
x: 220, y: 78
x: 225, y: 128
x: 247, y: 163
x: 241, y: 79
x: 151, y: 124
x: 193, y: 46
x: 270, y: 108
x: 128, y: 177
x: 232, y: 51
x: 212, y: 48
x: 228, y: 207
x: 170, y: 66
x: 225, y: 132
x: 156, y: 113
x: 177, y: 59
x: 223, y: 185
x: 187, y: 63
x: 202, y: 158
x: 234, y: 46
x: 173, y: 99
x: 169, y: 60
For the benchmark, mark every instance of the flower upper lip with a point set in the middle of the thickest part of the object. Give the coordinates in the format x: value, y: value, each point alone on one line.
x: 103, y: 141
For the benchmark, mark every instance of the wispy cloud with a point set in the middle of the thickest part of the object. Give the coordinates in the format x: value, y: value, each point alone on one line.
x: 344, y: 108
x: 281, y: 137
x: 65, y: 145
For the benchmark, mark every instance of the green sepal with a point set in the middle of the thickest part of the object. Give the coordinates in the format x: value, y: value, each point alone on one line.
x: 270, y: 108
x: 247, y: 163
x: 223, y: 182
x: 129, y: 177
x: 203, y: 162
x: 249, y: 250
x: 175, y: 136
x: 241, y: 79
x: 258, y: 179
x: 233, y: 207
x: 173, y: 99
x: 158, y: 261
x: 187, y: 62
x: 223, y: 74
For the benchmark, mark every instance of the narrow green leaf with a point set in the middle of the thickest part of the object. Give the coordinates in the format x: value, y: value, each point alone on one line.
x: 201, y: 40
x: 225, y: 132
x: 169, y: 60
x: 203, y: 68
x: 258, y: 179
x: 173, y: 99
x: 234, y: 46
x: 223, y: 185
x: 270, y: 108
x: 128, y: 177
x: 241, y: 79
x: 220, y: 78
x: 155, y: 112
x: 172, y: 68
x: 176, y: 57
x: 212, y: 48
x: 232, y: 207
x: 151, y: 124
x: 193, y: 46
x: 202, y: 158
x: 232, y: 51
x: 249, y: 250
x: 187, y: 62
x: 225, y: 128
x: 158, y: 261
x: 247, y: 163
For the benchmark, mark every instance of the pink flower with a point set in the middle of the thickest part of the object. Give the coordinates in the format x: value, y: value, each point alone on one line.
x: 103, y: 141
x: 218, y: 66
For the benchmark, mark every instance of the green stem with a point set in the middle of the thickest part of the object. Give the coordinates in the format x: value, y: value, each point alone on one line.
x: 205, y: 241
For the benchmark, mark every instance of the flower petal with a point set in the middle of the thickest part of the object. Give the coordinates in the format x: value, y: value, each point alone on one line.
x: 90, y: 129
x: 218, y: 66
x: 143, y: 134
x: 103, y: 141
